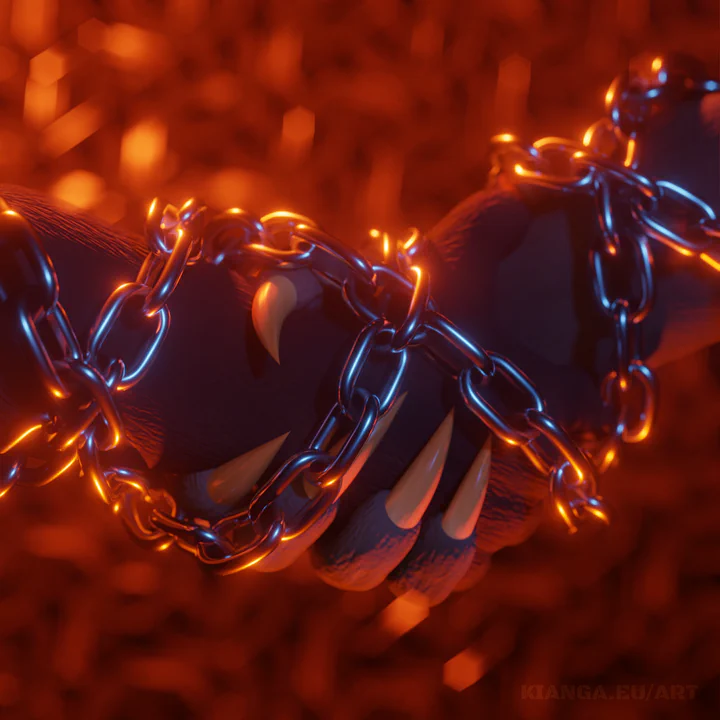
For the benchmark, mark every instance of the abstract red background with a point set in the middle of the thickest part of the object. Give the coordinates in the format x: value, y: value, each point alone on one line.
x: 361, y: 114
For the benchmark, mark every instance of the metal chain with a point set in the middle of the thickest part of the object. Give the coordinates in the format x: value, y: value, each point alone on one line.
x: 82, y: 421
x: 632, y: 209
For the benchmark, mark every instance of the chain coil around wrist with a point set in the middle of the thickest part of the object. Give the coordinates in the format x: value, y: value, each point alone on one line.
x: 81, y: 420
x: 631, y: 210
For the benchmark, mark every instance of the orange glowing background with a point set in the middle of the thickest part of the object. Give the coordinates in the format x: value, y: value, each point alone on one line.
x: 367, y: 114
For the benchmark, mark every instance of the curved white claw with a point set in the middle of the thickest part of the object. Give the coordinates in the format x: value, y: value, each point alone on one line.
x: 412, y: 493
x: 274, y: 300
x: 230, y: 482
x: 462, y: 515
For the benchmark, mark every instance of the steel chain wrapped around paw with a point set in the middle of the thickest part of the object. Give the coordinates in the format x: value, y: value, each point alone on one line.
x: 81, y: 419
x: 632, y: 210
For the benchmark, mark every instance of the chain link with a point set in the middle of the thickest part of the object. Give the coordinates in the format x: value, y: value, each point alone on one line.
x: 82, y: 420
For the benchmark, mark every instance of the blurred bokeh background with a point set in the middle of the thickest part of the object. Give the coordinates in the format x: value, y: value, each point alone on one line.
x: 360, y: 114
